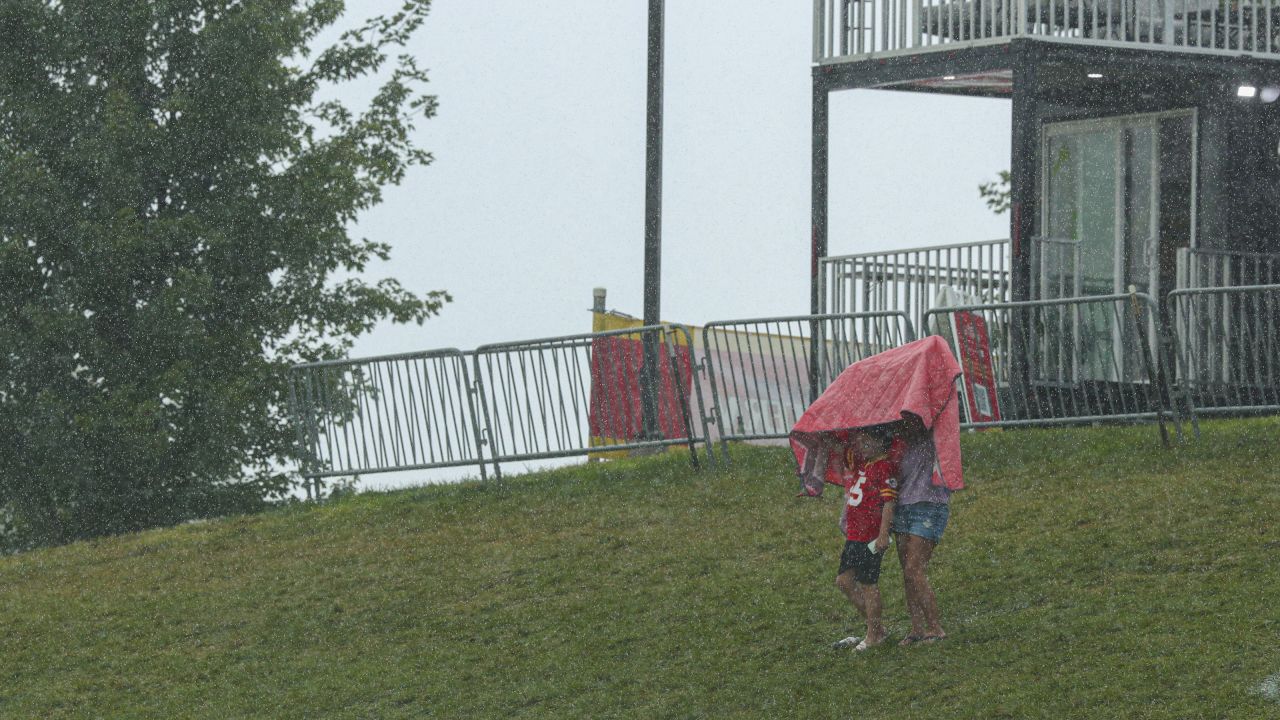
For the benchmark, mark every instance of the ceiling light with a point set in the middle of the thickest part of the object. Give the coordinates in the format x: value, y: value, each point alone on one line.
x: 1246, y: 91
x: 1094, y: 76
x: 948, y: 77
x: 1269, y: 94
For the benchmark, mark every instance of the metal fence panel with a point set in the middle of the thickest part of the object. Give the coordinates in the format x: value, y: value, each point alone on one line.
x: 1205, y: 268
x: 578, y: 394
x: 1071, y: 360
x: 763, y: 372
x: 380, y: 414
x: 1229, y: 347
x: 910, y: 280
x: 1055, y: 361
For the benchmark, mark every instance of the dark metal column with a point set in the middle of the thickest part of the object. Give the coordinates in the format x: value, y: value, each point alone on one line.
x: 818, y: 239
x: 649, y: 373
x: 1023, y: 167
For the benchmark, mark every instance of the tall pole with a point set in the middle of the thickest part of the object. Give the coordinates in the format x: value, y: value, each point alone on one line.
x: 1024, y: 165
x: 818, y: 239
x: 649, y: 374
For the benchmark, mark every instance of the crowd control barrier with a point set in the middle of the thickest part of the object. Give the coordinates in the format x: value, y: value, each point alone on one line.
x: 1061, y: 361
x: 579, y: 394
x: 764, y: 372
x: 1228, y: 347
x: 381, y: 414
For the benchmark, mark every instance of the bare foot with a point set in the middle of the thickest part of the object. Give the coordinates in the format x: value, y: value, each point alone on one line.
x: 871, y: 641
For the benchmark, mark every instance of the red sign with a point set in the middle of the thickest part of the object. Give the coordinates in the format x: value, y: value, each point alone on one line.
x: 975, y: 359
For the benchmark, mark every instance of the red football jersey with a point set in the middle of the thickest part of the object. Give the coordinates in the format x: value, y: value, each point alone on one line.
x: 867, y: 487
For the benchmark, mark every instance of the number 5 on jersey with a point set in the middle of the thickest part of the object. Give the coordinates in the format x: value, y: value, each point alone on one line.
x: 855, y: 491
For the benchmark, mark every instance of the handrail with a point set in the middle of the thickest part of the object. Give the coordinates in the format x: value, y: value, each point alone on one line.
x: 926, y: 248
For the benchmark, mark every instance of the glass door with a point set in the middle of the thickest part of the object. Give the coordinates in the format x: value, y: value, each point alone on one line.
x: 1101, y: 218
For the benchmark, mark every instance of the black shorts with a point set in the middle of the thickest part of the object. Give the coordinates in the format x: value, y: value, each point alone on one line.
x: 864, y: 563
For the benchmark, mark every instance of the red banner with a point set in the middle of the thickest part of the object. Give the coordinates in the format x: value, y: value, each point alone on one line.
x: 616, y: 413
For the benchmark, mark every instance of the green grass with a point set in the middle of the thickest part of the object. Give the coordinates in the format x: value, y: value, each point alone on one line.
x: 1086, y: 573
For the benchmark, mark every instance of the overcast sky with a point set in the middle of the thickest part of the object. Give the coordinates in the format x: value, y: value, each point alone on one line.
x: 536, y: 194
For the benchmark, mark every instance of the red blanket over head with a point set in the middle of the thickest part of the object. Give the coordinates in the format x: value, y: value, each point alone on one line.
x: 917, y: 379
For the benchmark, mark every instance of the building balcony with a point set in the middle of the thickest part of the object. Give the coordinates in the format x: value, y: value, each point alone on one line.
x: 853, y: 30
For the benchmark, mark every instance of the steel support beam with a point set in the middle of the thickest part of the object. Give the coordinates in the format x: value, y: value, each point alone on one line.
x: 818, y: 231
x: 1024, y: 150
x: 1024, y: 154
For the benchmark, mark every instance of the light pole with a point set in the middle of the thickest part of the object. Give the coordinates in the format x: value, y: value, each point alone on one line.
x: 649, y: 372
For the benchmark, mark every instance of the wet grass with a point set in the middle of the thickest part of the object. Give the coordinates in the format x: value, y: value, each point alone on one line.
x: 1086, y: 573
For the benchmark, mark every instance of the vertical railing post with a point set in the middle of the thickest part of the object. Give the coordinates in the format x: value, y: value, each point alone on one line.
x: 819, y: 30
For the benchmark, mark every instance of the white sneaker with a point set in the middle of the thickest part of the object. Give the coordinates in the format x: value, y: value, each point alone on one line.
x: 848, y: 642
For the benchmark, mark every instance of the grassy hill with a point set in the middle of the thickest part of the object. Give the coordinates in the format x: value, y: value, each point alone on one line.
x: 1086, y: 573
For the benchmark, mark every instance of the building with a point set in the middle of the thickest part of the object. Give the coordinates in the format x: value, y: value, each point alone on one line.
x: 1145, y: 155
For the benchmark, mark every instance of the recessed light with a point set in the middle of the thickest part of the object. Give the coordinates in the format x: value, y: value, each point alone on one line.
x: 1246, y: 91
x: 1094, y: 76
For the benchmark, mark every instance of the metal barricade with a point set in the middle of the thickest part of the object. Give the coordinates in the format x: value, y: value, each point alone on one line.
x: 1071, y: 360
x: 1229, y: 347
x: 580, y: 394
x: 380, y: 414
x: 764, y: 372
x: 1059, y: 361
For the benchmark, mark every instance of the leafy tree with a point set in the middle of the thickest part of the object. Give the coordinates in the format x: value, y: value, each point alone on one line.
x: 997, y: 193
x: 176, y: 200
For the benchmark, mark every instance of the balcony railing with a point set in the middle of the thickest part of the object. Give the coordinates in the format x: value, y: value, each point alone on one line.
x: 911, y: 280
x: 1200, y: 268
x: 853, y: 29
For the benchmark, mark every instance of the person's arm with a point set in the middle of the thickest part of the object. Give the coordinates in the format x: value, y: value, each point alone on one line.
x: 812, y: 480
x: 886, y: 521
x: 889, y: 493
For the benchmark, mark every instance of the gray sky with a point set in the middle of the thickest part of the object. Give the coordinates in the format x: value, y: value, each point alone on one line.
x: 537, y: 191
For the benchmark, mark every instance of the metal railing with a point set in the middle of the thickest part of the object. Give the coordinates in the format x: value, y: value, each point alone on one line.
x: 1055, y: 267
x: 1071, y: 360
x: 1229, y: 347
x: 578, y: 394
x: 530, y: 400
x: 1200, y: 268
x: 910, y: 280
x: 394, y: 412
x: 1053, y: 361
x: 761, y: 372
x: 853, y: 29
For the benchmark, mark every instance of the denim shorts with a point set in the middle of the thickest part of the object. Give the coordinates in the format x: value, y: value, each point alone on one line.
x: 926, y: 519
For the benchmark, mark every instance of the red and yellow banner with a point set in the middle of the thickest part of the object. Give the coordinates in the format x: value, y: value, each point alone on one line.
x: 616, y: 414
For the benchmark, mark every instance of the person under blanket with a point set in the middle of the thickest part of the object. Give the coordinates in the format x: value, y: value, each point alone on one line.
x: 869, y: 479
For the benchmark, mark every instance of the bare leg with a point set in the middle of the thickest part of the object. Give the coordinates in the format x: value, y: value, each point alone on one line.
x: 922, y: 604
x: 850, y: 588
x: 871, y: 602
x: 866, y: 598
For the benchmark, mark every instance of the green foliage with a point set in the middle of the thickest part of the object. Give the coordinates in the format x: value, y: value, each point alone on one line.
x: 175, y: 205
x: 1085, y: 573
x: 997, y: 193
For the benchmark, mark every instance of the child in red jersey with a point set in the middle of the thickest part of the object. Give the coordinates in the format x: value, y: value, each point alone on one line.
x: 870, y: 493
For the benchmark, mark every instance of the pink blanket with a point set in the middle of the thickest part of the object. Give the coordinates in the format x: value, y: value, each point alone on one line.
x: 917, y: 379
